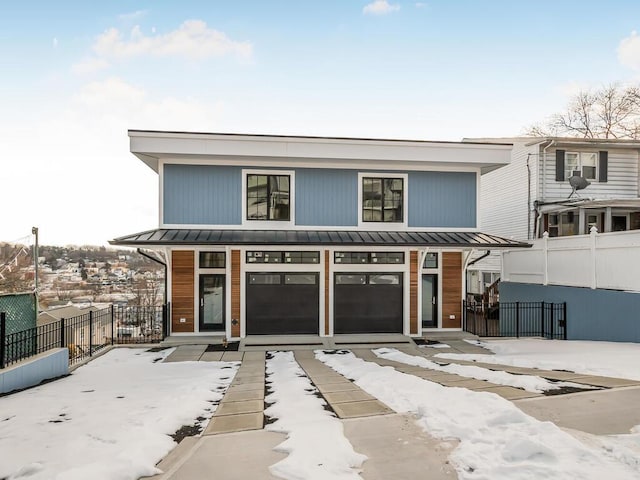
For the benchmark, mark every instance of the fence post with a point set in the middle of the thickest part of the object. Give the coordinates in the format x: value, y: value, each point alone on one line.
x: 90, y: 333
x: 593, y: 234
x: 112, y: 324
x: 566, y: 322
x: 62, y: 333
x: 553, y: 305
x: 464, y: 315
x: 3, y: 337
x: 517, y: 319
x: 542, y: 318
x: 165, y: 320
x: 545, y: 251
x: 485, y: 314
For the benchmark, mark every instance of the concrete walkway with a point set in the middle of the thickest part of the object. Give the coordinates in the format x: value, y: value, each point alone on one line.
x: 234, y: 444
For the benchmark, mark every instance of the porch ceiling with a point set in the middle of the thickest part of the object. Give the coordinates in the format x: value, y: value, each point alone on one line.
x: 160, y: 237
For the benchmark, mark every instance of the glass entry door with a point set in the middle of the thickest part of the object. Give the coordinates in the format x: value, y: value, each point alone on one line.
x: 212, y: 311
x: 429, y: 301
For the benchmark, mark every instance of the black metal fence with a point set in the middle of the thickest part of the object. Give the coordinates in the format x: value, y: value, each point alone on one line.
x: 85, y: 334
x: 516, y: 319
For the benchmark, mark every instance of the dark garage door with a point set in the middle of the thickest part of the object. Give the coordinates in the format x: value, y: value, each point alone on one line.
x: 368, y: 303
x: 282, y: 303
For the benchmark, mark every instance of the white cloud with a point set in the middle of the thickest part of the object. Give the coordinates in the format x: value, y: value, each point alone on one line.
x: 193, y: 39
x: 55, y: 42
x: 89, y: 65
x: 420, y: 5
x: 380, y: 7
x: 629, y: 51
x: 131, y: 16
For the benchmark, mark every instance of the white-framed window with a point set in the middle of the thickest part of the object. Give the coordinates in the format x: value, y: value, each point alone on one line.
x: 382, y: 199
x: 582, y: 164
x: 268, y: 197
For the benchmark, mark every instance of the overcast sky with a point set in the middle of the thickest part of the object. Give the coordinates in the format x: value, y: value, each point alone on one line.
x: 76, y: 75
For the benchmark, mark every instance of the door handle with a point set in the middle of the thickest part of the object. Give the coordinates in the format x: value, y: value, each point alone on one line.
x: 202, y: 302
x: 433, y: 300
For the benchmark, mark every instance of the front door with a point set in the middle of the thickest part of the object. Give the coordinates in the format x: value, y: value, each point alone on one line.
x: 429, y: 301
x: 212, y: 311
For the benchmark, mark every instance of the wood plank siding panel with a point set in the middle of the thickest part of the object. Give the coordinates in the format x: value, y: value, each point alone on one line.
x: 622, y: 176
x: 182, y: 290
x: 451, y: 289
x: 413, y: 292
x: 235, y: 293
x: 327, y: 259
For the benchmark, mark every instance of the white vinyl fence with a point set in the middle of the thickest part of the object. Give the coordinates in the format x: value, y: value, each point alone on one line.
x: 597, y: 260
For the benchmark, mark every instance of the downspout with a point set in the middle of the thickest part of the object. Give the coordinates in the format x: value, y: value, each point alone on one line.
x: 528, y: 198
x: 542, y: 179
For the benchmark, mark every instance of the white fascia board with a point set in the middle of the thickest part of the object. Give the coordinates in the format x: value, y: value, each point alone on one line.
x: 349, y: 153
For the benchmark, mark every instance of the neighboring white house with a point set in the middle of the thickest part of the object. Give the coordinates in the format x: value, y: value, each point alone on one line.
x: 586, y: 242
x: 533, y: 195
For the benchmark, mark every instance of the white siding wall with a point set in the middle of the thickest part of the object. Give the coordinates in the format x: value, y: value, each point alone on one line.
x: 622, y: 181
x: 503, y: 194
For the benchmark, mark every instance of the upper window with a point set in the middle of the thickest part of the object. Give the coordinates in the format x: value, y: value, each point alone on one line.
x: 582, y: 164
x: 268, y: 197
x: 212, y: 260
x: 383, y: 199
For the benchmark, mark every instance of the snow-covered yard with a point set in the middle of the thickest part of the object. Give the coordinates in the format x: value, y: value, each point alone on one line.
x: 111, y: 419
x: 610, y: 359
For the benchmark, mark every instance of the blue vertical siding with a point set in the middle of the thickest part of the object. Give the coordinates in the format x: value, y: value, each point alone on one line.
x: 326, y: 197
x: 599, y: 314
x: 202, y: 195
x: 442, y: 199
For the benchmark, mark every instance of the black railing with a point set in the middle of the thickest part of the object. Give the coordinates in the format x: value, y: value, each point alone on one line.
x: 516, y: 319
x: 85, y: 334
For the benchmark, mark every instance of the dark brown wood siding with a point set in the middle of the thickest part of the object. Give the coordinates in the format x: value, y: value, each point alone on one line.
x: 235, y: 293
x: 413, y: 293
x: 182, y: 288
x: 451, y: 289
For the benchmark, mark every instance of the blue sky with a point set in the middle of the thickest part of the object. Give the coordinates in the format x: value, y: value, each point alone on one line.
x: 77, y: 75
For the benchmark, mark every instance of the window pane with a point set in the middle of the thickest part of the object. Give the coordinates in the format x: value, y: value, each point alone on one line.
x: 264, y: 257
x: 382, y: 199
x: 268, y: 197
x: 212, y: 259
x: 431, y: 260
x: 351, y: 279
x: 264, y: 279
x: 385, y: 279
x: 371, y: 199
x: 571, y: 164
x: 589, y: 173
x: 279, y: 197
x: 300, y: 279
x: 257, y: 200
x: 301, y: 257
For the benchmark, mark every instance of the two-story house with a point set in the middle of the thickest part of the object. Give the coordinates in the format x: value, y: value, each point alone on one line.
x: 267, y: 234
x: 533, y: 194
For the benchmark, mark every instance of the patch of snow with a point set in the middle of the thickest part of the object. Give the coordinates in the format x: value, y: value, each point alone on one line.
x: 611, y: 359
x: 497, y: 440
x: 316, y: 446
x: 530, y: 383
x: 110, y: 420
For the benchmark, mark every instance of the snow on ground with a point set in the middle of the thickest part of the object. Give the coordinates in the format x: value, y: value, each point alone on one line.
x: 497, y: 440
x: 529, y: 383
x: 610, y: 359
x: 111, y: 419
x: 316, y: 446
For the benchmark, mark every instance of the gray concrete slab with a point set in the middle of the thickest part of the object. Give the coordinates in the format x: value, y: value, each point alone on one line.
x: 510, y: 393
x: 243, y: 387
x: 235, y: 423
x: 248, y: 356
x: 607, y: 382
x: 327, y: 379
x: 364, y: 408
x: 234, y: 408
x: 232, y: 356
x: 235, y: 396
x: 347, y: 396
x: 211, y: 357
x: 233, y: 456
x: 242, y: 380
x: 603, y: 412
x: 176, y: 457
x: 398, y: 449
x: 473, y: 384
x: 337, y: 387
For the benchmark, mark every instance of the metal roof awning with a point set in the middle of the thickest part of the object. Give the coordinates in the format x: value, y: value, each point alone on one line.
x: 167, y: 237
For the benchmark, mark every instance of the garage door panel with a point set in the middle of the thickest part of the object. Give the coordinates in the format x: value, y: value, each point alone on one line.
x: 368, y: 303
x: 282, y: 304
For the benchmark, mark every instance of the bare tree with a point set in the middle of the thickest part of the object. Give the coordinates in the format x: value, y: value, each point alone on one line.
x: 612, y: 111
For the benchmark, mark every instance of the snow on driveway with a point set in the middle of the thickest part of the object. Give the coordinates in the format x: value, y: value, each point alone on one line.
x: 111, y: 419
x: 497, y: 440
x: 609, y: 359
x: 316, y: 446
x: 530, y: 383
